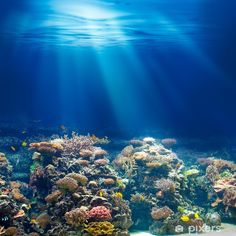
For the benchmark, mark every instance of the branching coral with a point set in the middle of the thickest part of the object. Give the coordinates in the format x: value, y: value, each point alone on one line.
x: 72, y: 146
x: 161, y: 213
x: 100, y: 228
x: 225, y: 183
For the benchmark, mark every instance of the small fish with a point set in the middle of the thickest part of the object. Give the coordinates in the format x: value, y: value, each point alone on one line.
x: 185, y: 218
x: 24, y: 144
x: 33, y: 222
x: 196, y: 216
x: 13, y: 148
x: 62, y: 127
x: 94, y: 138
x: 24, y: 132
x: 101, y: 194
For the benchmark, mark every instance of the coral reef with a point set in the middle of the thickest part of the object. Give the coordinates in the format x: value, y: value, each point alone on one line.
x: 75, y: 188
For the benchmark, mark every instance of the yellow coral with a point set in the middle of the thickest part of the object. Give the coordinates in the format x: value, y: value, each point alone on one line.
x: 99, y: 228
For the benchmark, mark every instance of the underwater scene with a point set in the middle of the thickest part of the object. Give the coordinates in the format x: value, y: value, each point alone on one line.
x: 117, y: 117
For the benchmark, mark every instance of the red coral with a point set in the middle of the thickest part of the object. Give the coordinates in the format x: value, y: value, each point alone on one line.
x: 100, y: 213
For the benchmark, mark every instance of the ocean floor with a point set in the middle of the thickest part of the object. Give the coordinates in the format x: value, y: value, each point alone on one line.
x: 227, y: 230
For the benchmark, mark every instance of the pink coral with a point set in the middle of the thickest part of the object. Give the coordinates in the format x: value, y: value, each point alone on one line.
x: 100, y: 213
x: 161, y: 213
x: 168, y: 142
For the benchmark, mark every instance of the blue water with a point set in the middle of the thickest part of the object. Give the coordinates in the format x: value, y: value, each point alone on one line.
x: 120, y: 66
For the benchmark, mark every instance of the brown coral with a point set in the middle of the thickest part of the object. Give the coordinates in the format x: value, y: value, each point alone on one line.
x: 229, y: 198
x: 161, y: 213
x: 43, y: 220
x: 101, y: 162
x: 47, y: 147
x: 18, y: 196
x: 78, y: 177
x: 53, y: 197
x: 67, y: 183
x: 109, y: 181
x: 76, y: 217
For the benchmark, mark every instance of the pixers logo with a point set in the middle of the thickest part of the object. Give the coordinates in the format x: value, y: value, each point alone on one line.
x: 198, y: 229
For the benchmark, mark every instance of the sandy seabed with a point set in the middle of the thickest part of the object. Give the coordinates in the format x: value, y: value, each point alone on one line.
x: 227, y: 230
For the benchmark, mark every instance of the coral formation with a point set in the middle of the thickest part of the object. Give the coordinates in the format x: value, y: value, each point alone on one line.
x: 75, y: 188
x: 100, y: 228
x: 99, y: 213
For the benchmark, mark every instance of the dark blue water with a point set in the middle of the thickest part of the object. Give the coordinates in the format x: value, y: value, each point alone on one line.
x: 120, y: 66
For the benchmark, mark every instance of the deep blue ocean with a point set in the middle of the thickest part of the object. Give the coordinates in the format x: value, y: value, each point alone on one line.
x: 119, y: 67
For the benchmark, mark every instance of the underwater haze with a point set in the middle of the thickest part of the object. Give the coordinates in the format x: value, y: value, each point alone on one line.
x: 126, y: 66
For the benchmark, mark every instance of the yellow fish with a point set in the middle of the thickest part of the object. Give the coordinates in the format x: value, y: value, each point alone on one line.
x: 101, y: 194
x: 33, y: 221
x: 13, y: 148
x: 196, y: 216
x: 185, y: 218
x: 119, y: 195
x: 24, y: 144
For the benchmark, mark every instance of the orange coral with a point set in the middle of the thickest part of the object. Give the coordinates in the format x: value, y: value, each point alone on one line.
x: 98, y: 152
x: 46, y: 147
x: 18, y: 196
x: 82, y: 162
x: 19, y: 214
x: 109, y: 181
x: 85, y: 153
